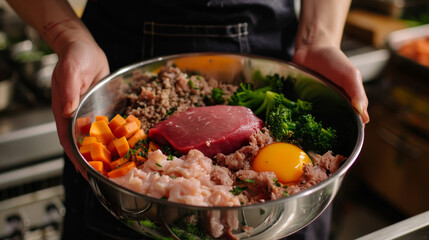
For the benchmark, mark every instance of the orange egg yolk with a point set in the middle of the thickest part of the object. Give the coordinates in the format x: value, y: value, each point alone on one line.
x: 284, y: 159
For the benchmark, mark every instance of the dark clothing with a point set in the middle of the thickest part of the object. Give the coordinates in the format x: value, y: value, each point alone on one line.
x: 139, y: 30
x: 132, y: 31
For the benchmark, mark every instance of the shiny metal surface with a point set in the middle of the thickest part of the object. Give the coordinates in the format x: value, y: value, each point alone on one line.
x: 416, y: 227
x: 269, y: 220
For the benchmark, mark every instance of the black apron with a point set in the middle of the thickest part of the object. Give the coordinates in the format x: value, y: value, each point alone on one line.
x: 131, y: 31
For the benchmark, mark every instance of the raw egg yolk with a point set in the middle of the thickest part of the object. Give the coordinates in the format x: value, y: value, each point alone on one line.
x: 284, y: 159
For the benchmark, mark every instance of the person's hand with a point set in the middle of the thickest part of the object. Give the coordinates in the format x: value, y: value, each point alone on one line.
x: 331, y: 62
x: 80, y: 65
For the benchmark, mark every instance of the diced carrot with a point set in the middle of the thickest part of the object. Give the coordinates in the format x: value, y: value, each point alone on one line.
x: 152, y: 147
x: 85, y: 150
x: 118, y: 162
x: 139, y: 160
x: 97, y: 165
x: 139, y: 135
x: 101, y: 131
x: 126, y: 130
x: 122, y: 170
x: 88, y: 140
x: 112, y: 149
x: 132, y: 118
x: 121, y: 145
x: 100, y: 153
x: 104, y: 118
x: 116, y: 121
x: 83, y: 125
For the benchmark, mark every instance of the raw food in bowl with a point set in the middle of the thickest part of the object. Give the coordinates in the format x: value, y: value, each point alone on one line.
x: 227, y: 215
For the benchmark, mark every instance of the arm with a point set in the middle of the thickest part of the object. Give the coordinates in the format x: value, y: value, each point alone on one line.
x: 81, y: 62
x: 317, y: 47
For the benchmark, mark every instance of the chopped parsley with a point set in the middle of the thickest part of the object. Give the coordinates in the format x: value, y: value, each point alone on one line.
x: 192, y: 84
x: 159, y: 165
x: 217, y: 95
x: 148, y: 223
x: 276, y: 182
x: 170, y: 111
x: 169, y: 150
x: 131, y: 152
x: 237, y: 190
x: 249, y: 180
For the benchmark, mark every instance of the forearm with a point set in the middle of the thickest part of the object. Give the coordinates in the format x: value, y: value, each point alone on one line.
x: 322, y: 22
x: 55, y: 20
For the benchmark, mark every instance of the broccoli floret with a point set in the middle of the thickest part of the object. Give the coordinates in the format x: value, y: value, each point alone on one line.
x: 302, y: 130
x: 246, y: 96
x: 312, y: 136
x: 262, y: 100
x: 280, y: 123
x: 287, y: 120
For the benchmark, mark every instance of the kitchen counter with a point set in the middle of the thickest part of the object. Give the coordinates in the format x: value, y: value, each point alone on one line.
x: 416, y: 227
x: 28, y: 136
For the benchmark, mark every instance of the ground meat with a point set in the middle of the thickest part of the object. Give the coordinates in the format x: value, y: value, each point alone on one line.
x: 241, y: 159
x: 259, y: 186
x: 153, y: 98
x: 324, y: 165
x: 221, y: 176
x: 328, y: 161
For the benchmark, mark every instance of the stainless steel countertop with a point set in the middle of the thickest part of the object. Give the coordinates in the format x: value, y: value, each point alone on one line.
x: 416, y: 227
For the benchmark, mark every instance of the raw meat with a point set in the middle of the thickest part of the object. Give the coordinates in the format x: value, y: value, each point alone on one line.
x: 212, y: 130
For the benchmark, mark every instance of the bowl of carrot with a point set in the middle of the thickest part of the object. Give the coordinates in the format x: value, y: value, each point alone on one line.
x: 410, y: 48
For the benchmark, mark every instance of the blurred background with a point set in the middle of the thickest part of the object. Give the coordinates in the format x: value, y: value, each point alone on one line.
x: 388, y: 40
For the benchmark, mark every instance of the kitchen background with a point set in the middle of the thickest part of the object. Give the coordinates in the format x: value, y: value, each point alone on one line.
x: 387, y: 185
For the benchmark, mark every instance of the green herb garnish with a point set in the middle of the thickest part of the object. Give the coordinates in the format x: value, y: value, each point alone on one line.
x: 237, y: 190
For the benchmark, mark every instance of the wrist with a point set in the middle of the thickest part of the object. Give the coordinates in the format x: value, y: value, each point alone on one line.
x: 321, y: 23
x: 60, y: 33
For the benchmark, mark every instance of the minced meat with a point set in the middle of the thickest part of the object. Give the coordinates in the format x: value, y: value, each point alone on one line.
x: 153, y: 98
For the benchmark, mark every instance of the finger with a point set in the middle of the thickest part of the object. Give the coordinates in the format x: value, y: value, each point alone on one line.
x: 63, y: 127
x: 67, y: 88
x: 335, y: 66
x: 349, y: 78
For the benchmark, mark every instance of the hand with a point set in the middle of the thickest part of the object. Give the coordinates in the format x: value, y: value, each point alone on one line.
x: 331, y: 62
x: 80, y: 65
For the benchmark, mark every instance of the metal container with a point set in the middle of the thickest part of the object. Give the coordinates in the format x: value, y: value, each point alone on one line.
x: 158, y: 218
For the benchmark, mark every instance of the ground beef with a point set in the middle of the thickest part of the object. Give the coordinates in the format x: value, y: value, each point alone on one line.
x: 241, y: 159
x: 324, y: 165
x: 259, y: 186
x: 221, y: 176
x: 153, y: 98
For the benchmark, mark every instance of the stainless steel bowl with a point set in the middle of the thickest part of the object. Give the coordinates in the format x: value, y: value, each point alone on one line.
x: 269, y: 220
